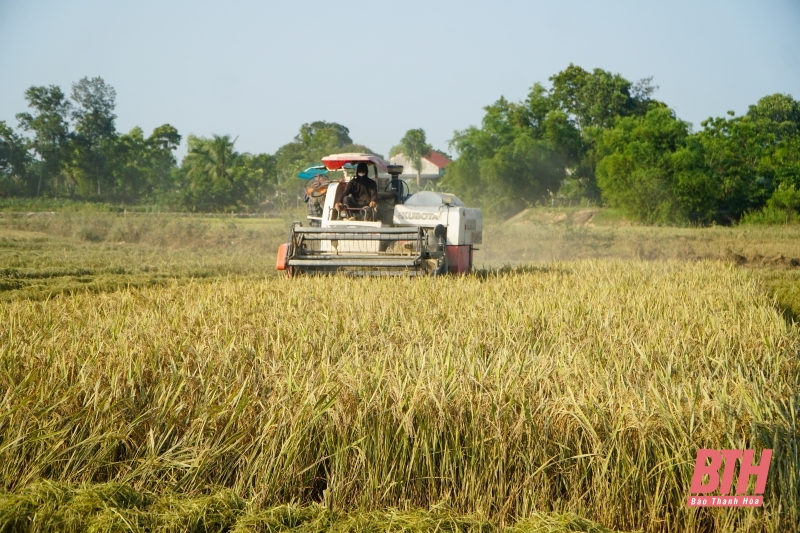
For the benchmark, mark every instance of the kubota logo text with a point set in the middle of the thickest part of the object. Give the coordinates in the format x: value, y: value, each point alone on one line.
x: 723, y: 497
x: 419, y: 216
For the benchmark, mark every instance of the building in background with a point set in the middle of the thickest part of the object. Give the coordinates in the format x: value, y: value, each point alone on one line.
x: 433, y: 165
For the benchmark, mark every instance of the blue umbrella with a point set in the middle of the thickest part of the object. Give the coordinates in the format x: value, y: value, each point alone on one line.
x: 312, y: 172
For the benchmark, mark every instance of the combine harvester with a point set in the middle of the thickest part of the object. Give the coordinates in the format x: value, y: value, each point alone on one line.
x: 427, y: 233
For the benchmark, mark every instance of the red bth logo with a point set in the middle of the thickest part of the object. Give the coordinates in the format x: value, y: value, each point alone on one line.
x: 722, y: 486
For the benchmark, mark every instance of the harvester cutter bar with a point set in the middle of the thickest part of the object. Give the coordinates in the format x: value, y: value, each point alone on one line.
x: 326, y: 256
x: 414, y: 230
x: 338, y: 261
x: 382, y: 273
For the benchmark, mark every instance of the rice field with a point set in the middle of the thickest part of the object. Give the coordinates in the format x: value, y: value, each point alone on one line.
x: 565, y: 396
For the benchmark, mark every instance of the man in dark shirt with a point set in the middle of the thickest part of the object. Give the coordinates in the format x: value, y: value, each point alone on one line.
x: 360, y: 192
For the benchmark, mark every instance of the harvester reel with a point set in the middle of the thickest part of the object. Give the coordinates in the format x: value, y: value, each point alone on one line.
x: 317, y: 187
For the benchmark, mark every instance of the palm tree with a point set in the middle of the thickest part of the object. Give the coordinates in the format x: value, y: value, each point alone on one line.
x: 209, y: 168
x: 414, y: 147
x: 213, y: 157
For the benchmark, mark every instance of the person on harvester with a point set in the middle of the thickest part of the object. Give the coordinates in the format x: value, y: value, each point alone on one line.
x: 360, y: 192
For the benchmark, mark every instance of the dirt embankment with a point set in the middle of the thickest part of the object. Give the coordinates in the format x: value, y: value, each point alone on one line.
x: 578, y: 218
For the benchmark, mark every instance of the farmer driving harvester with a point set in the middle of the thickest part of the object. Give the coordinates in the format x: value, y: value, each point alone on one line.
x: 361, y: 194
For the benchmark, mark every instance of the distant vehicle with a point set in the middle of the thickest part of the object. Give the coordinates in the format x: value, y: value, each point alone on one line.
x: 427, y: 233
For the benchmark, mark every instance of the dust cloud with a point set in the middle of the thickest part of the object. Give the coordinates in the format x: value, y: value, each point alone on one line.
x: 541, y: 235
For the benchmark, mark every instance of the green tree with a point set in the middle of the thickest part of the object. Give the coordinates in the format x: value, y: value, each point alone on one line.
x: 520, y: 154
x: 93, y: 115
x: 215, y: 177
x: 14, y: 161
x: 593, y: 101
x: 697, y: 190
x: 314, y: 141
x: 780, y: 111
x: 322, y: 133
x: 209, y: 172
x: 140, y: 167
x: 526, y: 151
x: 161, y: 146
x: 257, y: 179
x: 128, y: 165
x: 735, y: 153
x: 785, y: 198
x: 93, y: 159
x: 637, y: 172
x: 777, y: 119
x: 51, y: 136
x: 597, y: 98
x: 414, y: 146
x: 653, y: 169
x: 754, y: 156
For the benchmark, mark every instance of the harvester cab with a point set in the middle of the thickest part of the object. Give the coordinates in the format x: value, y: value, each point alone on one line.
x: 427, y: 233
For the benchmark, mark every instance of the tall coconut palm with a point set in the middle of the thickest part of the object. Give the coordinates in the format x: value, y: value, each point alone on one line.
x: 209, y: 169
x: 414, y: 147
x: 214, y: 157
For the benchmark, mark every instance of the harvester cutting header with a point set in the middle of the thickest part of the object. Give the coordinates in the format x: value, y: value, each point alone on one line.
x: 364, y: 224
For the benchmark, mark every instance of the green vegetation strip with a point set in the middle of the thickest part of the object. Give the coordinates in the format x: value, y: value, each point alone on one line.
x: 112, y: 507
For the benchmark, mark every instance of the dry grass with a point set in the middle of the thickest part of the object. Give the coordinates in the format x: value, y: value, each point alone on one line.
x: 68, y: 253
x: 581, y: 387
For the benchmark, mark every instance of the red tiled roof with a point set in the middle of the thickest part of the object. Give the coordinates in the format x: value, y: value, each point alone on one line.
x: 437, y: 159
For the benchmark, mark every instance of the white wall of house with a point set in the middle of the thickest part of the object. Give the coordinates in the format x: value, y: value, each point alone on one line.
x: 429, y: 170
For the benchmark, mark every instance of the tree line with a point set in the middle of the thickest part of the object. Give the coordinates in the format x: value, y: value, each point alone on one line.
x: 69, y: 147
x: 597, y: 136
x: 589, y: 136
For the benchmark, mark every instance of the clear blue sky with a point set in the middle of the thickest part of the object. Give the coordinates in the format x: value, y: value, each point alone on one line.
x: 258, y: 70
